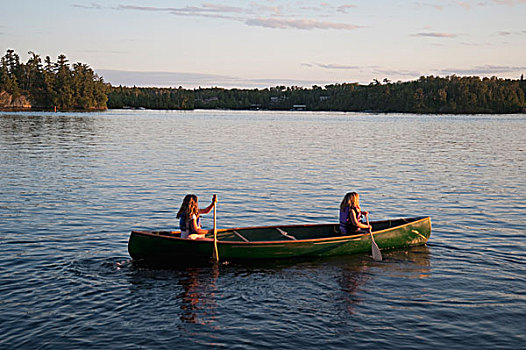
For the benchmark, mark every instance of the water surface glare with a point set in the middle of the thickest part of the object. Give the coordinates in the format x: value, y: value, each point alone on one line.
x: 73, y: 185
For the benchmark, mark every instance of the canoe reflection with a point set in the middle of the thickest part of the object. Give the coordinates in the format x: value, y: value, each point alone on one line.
x: 198, y: 296
x: 413, y: 263
x: 181, y: 293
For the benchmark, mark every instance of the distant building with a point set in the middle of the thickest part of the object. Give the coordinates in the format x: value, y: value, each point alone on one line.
x: 274, y: 100
x: 299, y: 107
x: 211, y: 99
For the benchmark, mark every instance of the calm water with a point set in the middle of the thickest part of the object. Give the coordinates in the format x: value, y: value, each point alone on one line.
x: 73, y: 185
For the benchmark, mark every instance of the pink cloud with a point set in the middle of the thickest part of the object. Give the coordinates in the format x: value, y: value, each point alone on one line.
x: 510, y: 2
x: 331, y: 66
x: 436, y: 35
x: 305, y: 24
x: 464, y: 4
x: 344, y: 8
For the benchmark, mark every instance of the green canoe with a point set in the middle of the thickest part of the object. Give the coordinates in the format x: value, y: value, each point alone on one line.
x: 272, y: 242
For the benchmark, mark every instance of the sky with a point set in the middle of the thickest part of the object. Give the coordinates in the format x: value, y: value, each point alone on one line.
x: 265, y: 43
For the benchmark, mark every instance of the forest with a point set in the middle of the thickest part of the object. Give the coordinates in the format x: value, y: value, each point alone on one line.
x: 43, y: 84
x: 452, y: 94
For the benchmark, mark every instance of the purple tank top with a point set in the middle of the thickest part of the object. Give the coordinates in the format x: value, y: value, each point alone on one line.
x: 345, y: 219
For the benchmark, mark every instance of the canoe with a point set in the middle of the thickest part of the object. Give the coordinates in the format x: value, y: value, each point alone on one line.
x: 276, y: 242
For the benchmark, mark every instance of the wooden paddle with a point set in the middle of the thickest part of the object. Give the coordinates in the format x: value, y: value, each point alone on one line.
x: 216, y: 254
x: 377, y: 255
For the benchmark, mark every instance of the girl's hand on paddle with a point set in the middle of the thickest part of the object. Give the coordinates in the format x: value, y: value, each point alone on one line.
x: 214, y: 199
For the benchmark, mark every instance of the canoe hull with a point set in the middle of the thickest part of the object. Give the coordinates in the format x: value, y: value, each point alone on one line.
x: 305, y: 241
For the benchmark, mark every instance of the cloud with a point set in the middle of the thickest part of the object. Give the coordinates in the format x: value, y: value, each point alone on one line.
x: 92, y: 6
x: 205, y: 9
x: 393, y: 73
x: 143, y: 8
x: 330, y: 66
x: 222, y: 8
x: 509, y: 2
x: 436, y: 35
x: 436, y: 7
x: 194, y: 80
x: 265, y: 83
x: 344, y: 8
x: 476, y: 44
x: 305, y: 24
x: 468, y: 5
x: 372, y: 70
x: 464, y: 4
x: 160, y: 79
x: 256, y: 8
x: 483, y: 70
x: 396, y: 72
x: 268, y: 16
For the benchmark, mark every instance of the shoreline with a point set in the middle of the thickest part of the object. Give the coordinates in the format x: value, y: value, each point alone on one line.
x: 95, y: 110
x: 53, y: 110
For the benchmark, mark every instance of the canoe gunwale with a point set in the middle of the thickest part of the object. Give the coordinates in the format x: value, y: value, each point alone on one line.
x: 288, y: 241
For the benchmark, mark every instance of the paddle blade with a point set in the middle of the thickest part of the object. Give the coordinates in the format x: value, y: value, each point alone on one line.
x: 377, y: 255
x: 374, y: 247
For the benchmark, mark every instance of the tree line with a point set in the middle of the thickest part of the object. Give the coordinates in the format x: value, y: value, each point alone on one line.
x: 47, y: 84
x: 452, y: 94
x: 150, y: 98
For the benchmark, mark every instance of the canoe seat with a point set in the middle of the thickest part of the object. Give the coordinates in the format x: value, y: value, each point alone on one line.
x: 240, y: 236
x: 284, y: 233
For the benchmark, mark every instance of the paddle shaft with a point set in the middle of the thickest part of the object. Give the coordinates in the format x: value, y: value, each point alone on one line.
x: 216, y: 254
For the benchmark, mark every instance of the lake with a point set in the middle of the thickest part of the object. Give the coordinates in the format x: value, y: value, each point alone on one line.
x: 73, y: 186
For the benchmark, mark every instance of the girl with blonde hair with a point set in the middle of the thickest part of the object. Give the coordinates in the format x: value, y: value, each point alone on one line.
x: 351, y: 214
x: 190, y: 218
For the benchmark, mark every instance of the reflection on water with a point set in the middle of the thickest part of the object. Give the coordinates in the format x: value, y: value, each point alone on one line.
x: 203, y: 293
x: 411, y: 263
x: 197, y: 298
x: 352, y: 279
